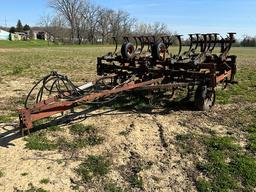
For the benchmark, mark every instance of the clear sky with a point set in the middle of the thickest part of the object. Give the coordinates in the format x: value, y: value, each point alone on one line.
x: 182, y: 16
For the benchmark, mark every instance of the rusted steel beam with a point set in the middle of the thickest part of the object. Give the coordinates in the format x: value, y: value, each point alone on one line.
x: 165, y: 86
x: 222, y: 77
x: 49, y: 107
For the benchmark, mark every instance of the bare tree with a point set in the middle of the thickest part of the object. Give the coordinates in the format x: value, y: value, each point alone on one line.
x: 71, y: 10
x: 156, y: 29
x: 90, y: 18
x: 55, y: 27
x: 122, y: 24
x: 104, y: 27
x: 88, y: 22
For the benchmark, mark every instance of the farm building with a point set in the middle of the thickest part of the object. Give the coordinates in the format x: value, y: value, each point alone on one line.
x: 39, y: 34
x: 4, y: 35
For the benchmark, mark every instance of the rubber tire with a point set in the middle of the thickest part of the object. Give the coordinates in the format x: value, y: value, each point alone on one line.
x: 156, y: 51
x: 203, y: 103
x: 128, y: 50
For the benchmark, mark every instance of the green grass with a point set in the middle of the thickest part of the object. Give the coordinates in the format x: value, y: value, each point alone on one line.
x: 79, y: 143
x: 94, y: 140
x: 136, y: 181
x: 244, y: 169
x: 203, y: 186
x: 24, y: 174
x: 54, y: 128
x: 23, y: 44
x: 93, y: 167
x: 5, y: 118
x: 246, y: 87
x: 79, y: 129
x: 87, y: 135
x: 41, y: 43
x: 39, y: 141
x: 250, y: 129
x: 252, y: 142
x: 44, y: 181
x: 35, y: 62
x: 82, y: 136
x: 125, y: 133
x: 32, y: 188
x: 221, y: 143
x: 113, y: 187
x: 131, y: 171
x: 186, y: 143
x: 227, y: 166
x: 1, y: 173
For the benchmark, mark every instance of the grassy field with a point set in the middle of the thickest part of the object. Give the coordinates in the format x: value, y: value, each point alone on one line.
x: 219, y: 145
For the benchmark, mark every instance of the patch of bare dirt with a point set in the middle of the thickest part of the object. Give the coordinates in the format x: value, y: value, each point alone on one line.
x: 139, y: 144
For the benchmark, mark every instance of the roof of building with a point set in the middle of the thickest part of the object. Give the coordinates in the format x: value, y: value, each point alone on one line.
x: 3, y: 31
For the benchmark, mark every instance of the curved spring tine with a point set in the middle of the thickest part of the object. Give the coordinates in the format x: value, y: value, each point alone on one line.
x: 197, y: 40
x: 126, y: 39
x: 136, y: 43
x: 180, y: 45
x: 148, y: 42
x: 115, y: 42
x: 204, y: 43
x: 231, y: 35
x: 141, y: 39
x: 215, y: 35
x: 153, y: 39
x: 191, y: 42
x: 223, y: 45
x: 209, y: 41
x: 231, y: 41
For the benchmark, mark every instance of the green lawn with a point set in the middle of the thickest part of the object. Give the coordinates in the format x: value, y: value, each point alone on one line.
x: 23, y: 44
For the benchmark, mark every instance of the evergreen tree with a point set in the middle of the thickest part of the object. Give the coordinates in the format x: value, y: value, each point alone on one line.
x: 12, y: 30
x: 19, y: 27
x: 26, y: 28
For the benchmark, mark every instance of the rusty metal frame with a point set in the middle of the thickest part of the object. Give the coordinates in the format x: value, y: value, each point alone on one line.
x: 165, y: 74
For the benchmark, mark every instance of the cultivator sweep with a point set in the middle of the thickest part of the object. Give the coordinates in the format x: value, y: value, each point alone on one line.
x: 142, y: 63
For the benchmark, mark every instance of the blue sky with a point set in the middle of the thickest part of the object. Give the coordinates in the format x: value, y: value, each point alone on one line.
x: 182, y: 16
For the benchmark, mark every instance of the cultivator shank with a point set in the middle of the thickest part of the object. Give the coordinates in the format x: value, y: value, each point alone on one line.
x: 142, y: 63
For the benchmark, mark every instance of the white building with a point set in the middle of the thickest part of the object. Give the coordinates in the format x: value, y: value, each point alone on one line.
x: 4, y: 35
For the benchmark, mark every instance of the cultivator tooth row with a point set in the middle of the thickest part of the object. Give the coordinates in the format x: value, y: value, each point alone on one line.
x: 142, y: 63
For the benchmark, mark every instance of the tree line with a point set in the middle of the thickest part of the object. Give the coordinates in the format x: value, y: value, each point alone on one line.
x: 248, y: 41
x: 80, y: 21
x: 19, y: 27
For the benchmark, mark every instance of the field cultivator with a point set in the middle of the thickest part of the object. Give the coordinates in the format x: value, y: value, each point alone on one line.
x: 142, y: 63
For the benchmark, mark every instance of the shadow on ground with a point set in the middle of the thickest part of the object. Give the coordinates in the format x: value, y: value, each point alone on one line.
x: 124, y: 104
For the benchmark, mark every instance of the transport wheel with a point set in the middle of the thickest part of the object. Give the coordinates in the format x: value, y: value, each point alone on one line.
x: 204, y: 98
x: 128, y: 50
x: 159, y: 51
